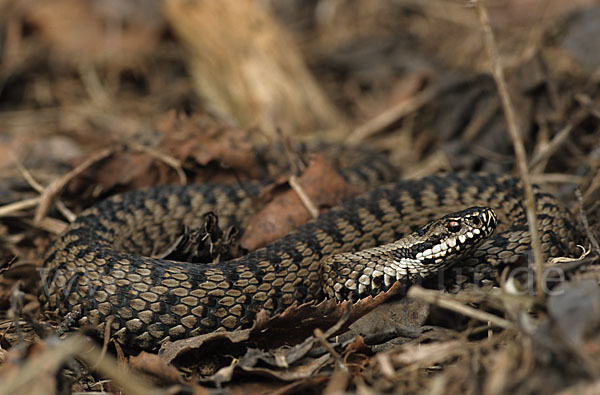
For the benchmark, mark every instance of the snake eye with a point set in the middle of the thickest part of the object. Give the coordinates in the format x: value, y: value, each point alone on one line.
x: 453, y: 226
x: 476, y: 221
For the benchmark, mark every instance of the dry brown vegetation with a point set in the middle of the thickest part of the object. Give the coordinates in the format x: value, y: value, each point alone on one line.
x: 102, y: 97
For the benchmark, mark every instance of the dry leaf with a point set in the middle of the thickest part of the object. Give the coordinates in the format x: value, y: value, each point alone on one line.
x: 324, y: 187
x: 154, y: 368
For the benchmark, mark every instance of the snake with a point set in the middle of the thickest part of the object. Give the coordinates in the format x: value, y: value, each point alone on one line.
x: 105, y: 265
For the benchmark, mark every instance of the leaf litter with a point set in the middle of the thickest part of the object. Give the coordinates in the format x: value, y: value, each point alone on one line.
x: 104, y: 102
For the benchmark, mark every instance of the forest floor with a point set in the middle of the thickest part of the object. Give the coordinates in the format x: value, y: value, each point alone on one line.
x: 98, y: 98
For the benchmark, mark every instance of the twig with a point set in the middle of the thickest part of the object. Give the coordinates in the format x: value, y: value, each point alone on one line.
x: 50, y: 192
x: 93, y: 85
x: 584, y: 220
x: 46, y: 362
x: 52, y: 225
x: 5, y: 267
x: 390, y: 116
x: 588, y: 103
x: 11, y: 208
x: 104, y: 349
x: 38, y: 365
x: 446, y: 302
x: 498, y: 73
x: 167, y: 159
x: 591, y: 189
x: 306, y: 200
x: 321, y: 337
x: 293, y: 158
x: 480, y: 120
x: 556, y: 178
x: 64, y: 210
x: 558, y: 140
x: 338, y: 381
x: 29, y: 177
x: 16, y: 308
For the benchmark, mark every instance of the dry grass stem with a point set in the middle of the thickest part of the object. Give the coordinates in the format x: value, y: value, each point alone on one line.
x: 592, y: 188
x: 321, y: 337
x: 167, y: 159
x: 447, y: 302
x: 391, y: 115
x: 584, y: 221
x: 62, y: 208
x: 515, y: 135
x: 109, y: 367
x: 481, y: 119
x: 93, y: 85
x: 306, y: 201
x: 590, y: 105
x: 48, y: 361
x: 29, y: 177
x: 558, y: 140
x: 52, y: 225
x: 13, y: 208
x: 51, y: 191
x: 338, y: 381
x: 556, y: 178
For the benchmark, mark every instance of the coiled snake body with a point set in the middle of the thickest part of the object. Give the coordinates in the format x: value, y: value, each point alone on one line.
x: 101, y: 265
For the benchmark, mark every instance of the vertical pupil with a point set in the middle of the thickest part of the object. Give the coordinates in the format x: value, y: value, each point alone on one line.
x: 454, y: 226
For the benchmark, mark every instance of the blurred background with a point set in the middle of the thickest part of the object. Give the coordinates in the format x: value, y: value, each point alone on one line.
x: 409, y: 76
x: 100, y: 96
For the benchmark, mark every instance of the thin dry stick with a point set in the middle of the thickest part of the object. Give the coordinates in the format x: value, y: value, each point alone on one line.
x: 558, y: 140
x: 480, y: 120
x: 584, y: 220
x: 498, y: 73
x: 338, y: 381
x: 321, y: 337
x: 556, y: 178
x: 593, y: 186
x: 174, y: 163
x: 297, y: 167
x: 52, y: 190
x: 29, y: 177
x: 588, y: 103
x: 11, y: 208
x: 109, y: 367
x: 390, y: 116
x: 64, y: 210
x: 293, y: 158
x: 308, y: 203
x: 46, y: 363
x: 107, y: 328
x: 449, y: 303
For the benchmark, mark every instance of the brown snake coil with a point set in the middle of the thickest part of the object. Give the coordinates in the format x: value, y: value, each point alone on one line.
x: 101, y: 265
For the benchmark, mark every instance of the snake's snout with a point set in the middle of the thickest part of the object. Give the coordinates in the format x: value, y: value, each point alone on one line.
x: 479, y: 220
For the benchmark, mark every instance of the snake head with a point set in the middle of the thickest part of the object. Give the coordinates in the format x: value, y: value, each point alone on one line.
x: 453, y: 236
x: 428, y: 250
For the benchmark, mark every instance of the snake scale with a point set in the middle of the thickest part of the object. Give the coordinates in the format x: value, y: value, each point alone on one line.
x: 101, y: 265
